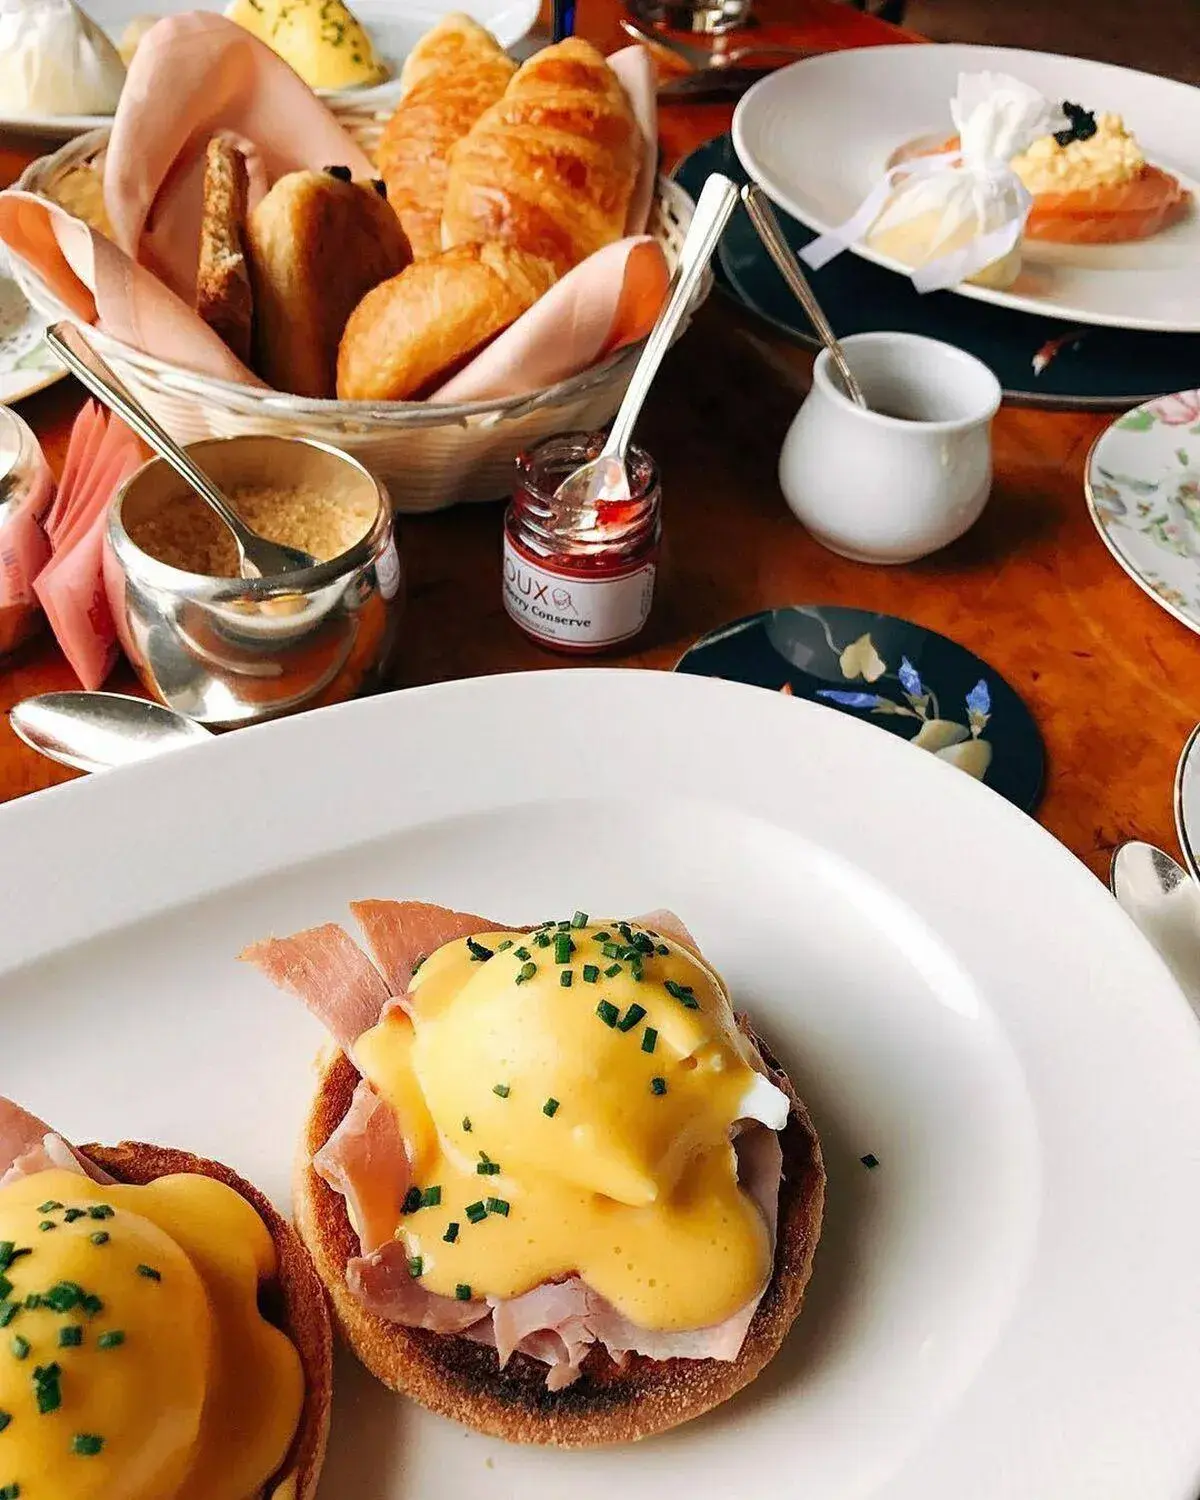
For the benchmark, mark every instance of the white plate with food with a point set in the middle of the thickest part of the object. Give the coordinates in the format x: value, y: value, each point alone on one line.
x: 317, y: 44
x: 1002, y: 1075
x: 818, y: 136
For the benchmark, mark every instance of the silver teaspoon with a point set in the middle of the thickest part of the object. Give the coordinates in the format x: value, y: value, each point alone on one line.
x: 96, y: 731
x: 257, y: 557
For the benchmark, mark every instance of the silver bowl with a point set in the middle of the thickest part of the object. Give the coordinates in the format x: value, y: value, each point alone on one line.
x: 230, y: 651
x: 26, y: 493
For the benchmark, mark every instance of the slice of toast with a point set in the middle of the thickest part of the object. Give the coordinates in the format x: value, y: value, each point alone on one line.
x: 224, y: 298
x: 460, y: 1379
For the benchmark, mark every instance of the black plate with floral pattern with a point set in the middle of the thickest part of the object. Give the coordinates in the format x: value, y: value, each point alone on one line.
x: 908, y: 680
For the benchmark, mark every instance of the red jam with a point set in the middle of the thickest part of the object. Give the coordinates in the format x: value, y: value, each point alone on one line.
x: 580, y: 581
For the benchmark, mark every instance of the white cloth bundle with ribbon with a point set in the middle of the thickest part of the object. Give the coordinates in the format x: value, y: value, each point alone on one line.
x: 955, y: 214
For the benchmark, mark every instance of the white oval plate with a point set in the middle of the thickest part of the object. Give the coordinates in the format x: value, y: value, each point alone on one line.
x: 1142, y: 482
x: 393, y: 29
x: 26, y: 365
x: 1007, y: 1306
x: 816, y: 136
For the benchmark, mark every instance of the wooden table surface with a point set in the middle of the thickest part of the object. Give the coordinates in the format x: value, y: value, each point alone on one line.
x: 1032, y: 589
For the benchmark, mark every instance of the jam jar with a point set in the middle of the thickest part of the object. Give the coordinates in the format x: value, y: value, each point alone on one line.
x: 580, y: 580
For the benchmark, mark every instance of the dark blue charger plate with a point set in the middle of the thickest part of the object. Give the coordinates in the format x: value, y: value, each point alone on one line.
x: 904, y: 679
x: 1104, y: 368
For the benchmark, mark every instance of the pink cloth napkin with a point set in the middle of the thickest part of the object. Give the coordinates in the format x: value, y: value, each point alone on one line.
x: 197, y: 74
x: 101, y: 455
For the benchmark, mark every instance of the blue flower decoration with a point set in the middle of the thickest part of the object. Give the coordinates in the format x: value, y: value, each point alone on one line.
x: 849, y: 700
x: 979, y: 700
x: 910, y: 679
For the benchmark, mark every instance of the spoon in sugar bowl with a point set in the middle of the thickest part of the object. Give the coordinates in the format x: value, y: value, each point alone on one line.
x: 762, y: 216
x: 605, y: 477
x: 257, y: 557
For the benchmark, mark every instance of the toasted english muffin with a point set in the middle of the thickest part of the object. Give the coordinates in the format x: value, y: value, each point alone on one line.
x: 317, y: 244
x: 295, y: 1303
x: 460, y: 1379
x: 224, y: 298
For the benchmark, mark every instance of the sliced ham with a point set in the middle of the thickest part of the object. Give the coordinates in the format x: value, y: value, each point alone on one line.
x: 330, y: 973
x: 364, y: 1160
x: 668, y: 925
x: 382, y: 1284
x: 28, y: 1145
x: 402, y: 933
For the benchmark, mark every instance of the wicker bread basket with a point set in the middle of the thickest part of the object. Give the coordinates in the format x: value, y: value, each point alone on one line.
x: 429, y: 455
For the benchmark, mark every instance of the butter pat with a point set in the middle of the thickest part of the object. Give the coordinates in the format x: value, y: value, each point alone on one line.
x: 321, y: 39
x: 921, y: 239
x: 54, y: 60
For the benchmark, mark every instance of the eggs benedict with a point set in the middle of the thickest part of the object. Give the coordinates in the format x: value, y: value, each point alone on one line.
x: 321, y: 39
x: 556, y: 1166
x: 138, y: 1362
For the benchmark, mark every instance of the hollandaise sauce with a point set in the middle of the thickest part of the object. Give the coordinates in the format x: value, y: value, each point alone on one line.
x: 567, y: 1098
x: 134, y: 1361
x: 321, y: 39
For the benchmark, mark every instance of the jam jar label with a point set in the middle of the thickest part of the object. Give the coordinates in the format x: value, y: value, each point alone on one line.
x: 569, y: 609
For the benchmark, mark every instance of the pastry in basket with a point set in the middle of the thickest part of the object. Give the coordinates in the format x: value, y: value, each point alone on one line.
x: 552, y: 166
x: 556, y: 1189
x: 223, y: 295
x: 1091, y: 183
x: 165, y: 1333
x: 412, y: 333
x: 454, y: 73
x: 317, y: 243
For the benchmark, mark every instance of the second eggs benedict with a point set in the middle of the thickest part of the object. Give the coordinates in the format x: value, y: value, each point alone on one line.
x: 556, y: 1165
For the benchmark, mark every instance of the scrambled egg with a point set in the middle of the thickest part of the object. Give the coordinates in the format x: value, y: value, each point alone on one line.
x: 1108, y: 158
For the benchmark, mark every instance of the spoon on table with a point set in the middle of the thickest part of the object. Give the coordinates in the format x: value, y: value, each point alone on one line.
x: 96, y: 731
x: 762, y: 215
x: 605, y: 477
x: 257, y: 557
x: 1164, y: 902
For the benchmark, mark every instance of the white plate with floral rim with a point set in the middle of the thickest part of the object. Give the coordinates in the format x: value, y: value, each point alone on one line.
x: 1143, y: 492
x: 26, y: 364
x: 1007, y: 1305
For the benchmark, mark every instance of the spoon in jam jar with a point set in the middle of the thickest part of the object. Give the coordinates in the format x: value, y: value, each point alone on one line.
x: 605, y: 478
x: 257, y: 557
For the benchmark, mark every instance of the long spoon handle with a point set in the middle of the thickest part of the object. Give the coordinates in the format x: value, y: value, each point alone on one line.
x: 82, y: 358
x: 717, y: 201
x: 762, y: 215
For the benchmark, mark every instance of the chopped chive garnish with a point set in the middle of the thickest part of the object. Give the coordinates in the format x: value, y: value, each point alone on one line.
x: 502, y: 1090
x: 607, y: 1012
x: 416, y: 1265
x: 476, y: 1211
x: 20, y: 1346
x: 412, y: 1200
x: 10, y: 1492
x: 658, y: 1085
x: 649, y: 1038
x: 467, y: 1123
x: 100, y: 1211
x: 526, y: 972
x: 550, y: 1108
x: 9, y: 1253
x: 506, y: 944
x: 642, y: 943
x: 63, y: 1296
x: 91, y: 1304
x: 45, y: 1387
x: 611, y: 950
x: 47, y: 1224
x: 521, y: 953
x: 563, y: 926
x: 462, y: 1292
x: 498, y: 1206
x: 542, y: 940
x: 5, y: 1286
x: 590, y: 973
x: 86, y: 1444
x: 626, y: 931
x: 74, y: 1213
x: 49, y: 1206
x: 8, y: 1311
x: 632, y: 1016
x: 71, y: 1336
x: 682, y: 993
x: 612, y: 971
x: 431, y: 1196
x: 869, y: 1161
x: 601, y: 937
x: 479, y: 954
x: 5, y: 1419
x: 488, y: 1169
x: 100, y: 1237
x: 563, y: 948
x: 113, y: 1339
x: 451, y: 1233
x: 661, y: 949
x: 33, y: 1300
x: 566, y: 978
x: 580, y: 919
x: 150, y: 1273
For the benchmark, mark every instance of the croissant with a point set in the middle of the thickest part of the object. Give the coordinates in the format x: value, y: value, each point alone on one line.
x: 410, y: 334
x: 552, y: 166
x: 451, y: 76
x: 316, y: 243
